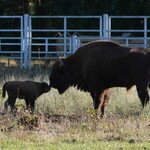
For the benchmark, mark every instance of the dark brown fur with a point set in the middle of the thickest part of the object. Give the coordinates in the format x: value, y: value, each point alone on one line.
x: 27, y: 90
x: 100, y: 65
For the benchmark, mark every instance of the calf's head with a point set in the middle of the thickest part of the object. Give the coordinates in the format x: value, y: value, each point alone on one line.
x: 45, y: 87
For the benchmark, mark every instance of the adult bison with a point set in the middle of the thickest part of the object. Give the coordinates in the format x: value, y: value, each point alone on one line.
x: 100, y: 65
x: 27, y: 90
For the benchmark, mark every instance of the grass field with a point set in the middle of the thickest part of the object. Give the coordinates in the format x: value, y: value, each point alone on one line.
x: 68, y: 121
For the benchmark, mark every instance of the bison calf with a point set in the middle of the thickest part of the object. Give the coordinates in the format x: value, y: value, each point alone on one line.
x: 27, y: 90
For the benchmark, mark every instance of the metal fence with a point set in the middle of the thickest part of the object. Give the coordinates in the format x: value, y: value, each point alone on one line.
x: 22, y: 40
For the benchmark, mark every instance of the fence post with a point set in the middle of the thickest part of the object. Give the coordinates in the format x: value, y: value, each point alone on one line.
x: 145, y: 32
x: 22, y: 43
x: 74, y: 43
x: 26, y: 43
x: 65, y: 36
x: 0, y: 45
x: 100, y: 28
x: 46, y: 46
x: 106, y: 26
x: 29, y: 40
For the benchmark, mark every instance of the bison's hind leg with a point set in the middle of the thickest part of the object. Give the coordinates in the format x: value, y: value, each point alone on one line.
x: 142, y: 90
x: 144, y: 97
x: 104, y: 99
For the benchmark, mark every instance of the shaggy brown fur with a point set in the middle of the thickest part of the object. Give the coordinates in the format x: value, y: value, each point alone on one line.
x: 100, y: 65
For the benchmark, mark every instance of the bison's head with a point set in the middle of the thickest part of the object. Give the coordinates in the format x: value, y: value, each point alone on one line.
x: 60, y: 77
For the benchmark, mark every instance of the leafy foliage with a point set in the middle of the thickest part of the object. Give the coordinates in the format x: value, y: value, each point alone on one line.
x: 78, y: 7
x: 73, y: 8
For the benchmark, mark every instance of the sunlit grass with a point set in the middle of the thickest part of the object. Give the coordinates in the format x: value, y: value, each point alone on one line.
x: 68, y: 143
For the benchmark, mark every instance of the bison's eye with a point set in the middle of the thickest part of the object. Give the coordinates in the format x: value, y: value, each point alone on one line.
x: 62, y: 69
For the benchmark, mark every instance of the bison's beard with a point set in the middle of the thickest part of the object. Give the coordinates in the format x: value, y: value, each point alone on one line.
x: 62, y: 89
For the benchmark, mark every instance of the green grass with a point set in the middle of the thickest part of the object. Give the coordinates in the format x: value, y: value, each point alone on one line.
x: 65, y: 143
x: 68, y: 121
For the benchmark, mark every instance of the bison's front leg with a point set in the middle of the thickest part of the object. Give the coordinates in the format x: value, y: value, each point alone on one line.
x: 95, y: 98
x: 96, y: 101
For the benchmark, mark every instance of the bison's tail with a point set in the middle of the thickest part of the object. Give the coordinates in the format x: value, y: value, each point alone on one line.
x: 4, y: 90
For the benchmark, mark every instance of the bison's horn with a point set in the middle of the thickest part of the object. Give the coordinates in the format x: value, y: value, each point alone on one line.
x: 61, y: 62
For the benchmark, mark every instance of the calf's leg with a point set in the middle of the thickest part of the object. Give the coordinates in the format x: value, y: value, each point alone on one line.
x: 32, y: 105
x: 12, y: 105
x: 27, y: 103
x: 6, y: 104
x: 9, y: 102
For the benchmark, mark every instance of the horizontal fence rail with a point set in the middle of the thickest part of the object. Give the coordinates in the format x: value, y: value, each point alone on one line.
x: 26, y: 38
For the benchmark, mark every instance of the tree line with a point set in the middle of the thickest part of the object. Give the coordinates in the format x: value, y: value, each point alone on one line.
x: 77, y: 7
